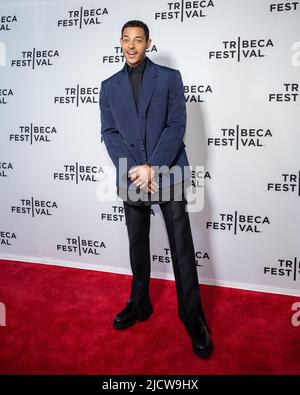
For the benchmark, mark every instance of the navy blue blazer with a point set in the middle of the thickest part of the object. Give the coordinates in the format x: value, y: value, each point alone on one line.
x: 152, y: 133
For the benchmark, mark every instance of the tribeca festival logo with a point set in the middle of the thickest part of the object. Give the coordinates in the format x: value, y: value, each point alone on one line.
x: 242, y: 49
x: 78, y: 95
x: 83, y: 17
x: 240, y: 137
x: 35, y: 207
x: 281, y: 7
x: 200, y: 257
x: 289, y: 268
x: 118, y: 55
x: 81, y: 246
x: 35, y: 58
x: 197, y: 93
x: 290, y: 182
x: 7, y: 238
x: 2, y: 314
x: 7, y: 21
x: 198, y: 177
x: 5, y: 169
x: 5, y: 95
x: 33, y: 134
x: 78, y: 173
x: 162, y: 258
x: 116, y: 214
x: 239, y: 223
x: 289, y: 93
x: 182, y: 10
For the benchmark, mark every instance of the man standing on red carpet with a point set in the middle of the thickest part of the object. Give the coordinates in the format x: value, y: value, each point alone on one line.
x: 143, y: 121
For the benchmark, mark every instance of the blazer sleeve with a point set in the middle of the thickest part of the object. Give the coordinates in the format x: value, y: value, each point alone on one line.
x: 114, y: 142
x: 171, y: 138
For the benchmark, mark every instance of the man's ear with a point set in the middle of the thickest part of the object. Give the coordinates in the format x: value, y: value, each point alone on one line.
x: 149, y: 42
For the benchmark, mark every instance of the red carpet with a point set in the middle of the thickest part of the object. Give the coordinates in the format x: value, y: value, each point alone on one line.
x: 59, y: 321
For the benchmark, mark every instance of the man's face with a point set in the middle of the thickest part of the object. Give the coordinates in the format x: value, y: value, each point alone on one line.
x: 134, y: 45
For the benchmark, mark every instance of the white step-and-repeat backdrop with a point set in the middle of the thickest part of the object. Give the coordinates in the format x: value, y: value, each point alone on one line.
x: 240, y: 63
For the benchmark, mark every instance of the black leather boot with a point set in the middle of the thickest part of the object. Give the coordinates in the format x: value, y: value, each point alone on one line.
x: 199, y: 334
x: 128, y: 316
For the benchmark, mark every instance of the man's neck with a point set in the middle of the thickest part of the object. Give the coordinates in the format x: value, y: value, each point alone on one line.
x: 137, y: 65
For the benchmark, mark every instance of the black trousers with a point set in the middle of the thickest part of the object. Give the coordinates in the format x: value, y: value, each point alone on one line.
x: 182, y: 252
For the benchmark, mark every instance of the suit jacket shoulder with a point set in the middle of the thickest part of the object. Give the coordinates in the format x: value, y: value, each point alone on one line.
x: 113, y: 77
x: 165, y: 69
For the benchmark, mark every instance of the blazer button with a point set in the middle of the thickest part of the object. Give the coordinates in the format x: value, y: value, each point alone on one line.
x: 131, y: 145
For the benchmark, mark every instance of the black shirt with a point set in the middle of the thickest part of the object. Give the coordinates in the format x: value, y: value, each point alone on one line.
x: 135, y: 77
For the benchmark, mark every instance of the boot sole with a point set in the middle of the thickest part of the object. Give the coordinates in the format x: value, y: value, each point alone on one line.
x: 203, y: 354
x: 128, y: 324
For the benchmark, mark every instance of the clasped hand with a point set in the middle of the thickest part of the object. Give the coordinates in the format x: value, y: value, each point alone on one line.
x: 143, y: 177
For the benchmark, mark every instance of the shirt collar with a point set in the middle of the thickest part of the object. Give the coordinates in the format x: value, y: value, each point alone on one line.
x: 139, y: 69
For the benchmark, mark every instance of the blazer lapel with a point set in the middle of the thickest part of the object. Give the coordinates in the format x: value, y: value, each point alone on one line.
x: 147, y: 88
x: 131, y: 132
x: 126, y: 94
x: 146, y: 91
x: 137, y: 128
